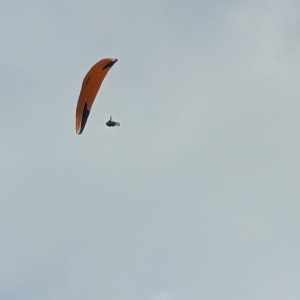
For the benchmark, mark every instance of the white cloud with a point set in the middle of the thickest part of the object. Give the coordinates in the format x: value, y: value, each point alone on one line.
x: 163, y: 296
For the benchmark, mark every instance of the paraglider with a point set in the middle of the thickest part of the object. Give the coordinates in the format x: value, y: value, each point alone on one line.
x: 89, y: 89
x: 111, y: 123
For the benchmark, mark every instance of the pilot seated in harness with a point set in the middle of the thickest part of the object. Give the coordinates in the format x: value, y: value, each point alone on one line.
x: 111, y: 123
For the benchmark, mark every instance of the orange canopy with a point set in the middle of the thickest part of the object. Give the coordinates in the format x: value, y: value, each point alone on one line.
x: 90, y: 87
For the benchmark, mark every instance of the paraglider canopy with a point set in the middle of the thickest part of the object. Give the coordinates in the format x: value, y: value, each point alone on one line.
x: 89, y: 89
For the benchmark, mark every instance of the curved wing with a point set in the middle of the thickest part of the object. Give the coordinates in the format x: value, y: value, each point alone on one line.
x: 89, y: 89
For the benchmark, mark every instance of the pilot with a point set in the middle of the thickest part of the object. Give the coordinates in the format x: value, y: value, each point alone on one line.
x: 111, y: 123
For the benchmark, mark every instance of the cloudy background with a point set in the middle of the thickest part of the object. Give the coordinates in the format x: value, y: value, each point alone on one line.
x: 195, y: 196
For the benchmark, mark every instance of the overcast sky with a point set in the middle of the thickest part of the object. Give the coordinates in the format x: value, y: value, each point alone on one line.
x: 195, y: 196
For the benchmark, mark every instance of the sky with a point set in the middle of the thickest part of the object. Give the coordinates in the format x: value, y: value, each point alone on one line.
x: 196, y: 194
